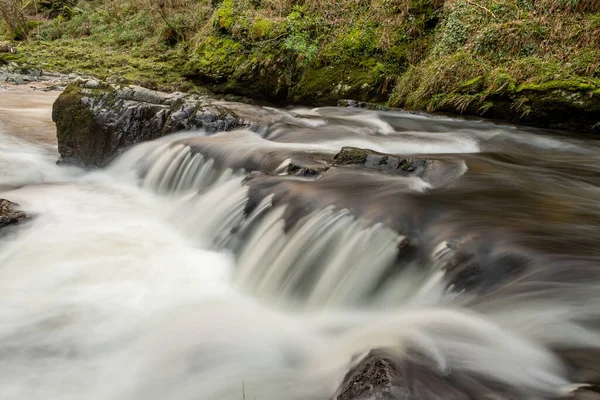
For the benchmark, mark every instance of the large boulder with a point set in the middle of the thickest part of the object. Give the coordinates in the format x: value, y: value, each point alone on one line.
x: 95, y: 121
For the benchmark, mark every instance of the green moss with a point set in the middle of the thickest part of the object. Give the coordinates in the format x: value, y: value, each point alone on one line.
x: 567, y: 85
x: 461, y: 56
x: 161, y: 70
x: 216, y: 57
x: 500, y: 82
x: 266, y: 29
x: 226, y: 15
x: 74, y: 122
x: 472, y: 85
x: 328, y: 84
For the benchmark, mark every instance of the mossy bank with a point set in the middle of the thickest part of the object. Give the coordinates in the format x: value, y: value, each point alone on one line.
x: 530, y: 61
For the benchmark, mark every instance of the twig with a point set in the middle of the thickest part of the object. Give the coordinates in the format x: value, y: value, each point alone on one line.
x: 482, y: 7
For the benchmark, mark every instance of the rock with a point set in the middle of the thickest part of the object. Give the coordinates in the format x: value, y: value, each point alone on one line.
x: 380, y: 161
x: 361, y: 104
x: 35, y: 72
x: 435, y: 171
x: 92, y: 84
x: 52, y: 88
x: 591, y: 392
x: 412, y: 375
x: 386, y: 375
x: 94, y: 124
x: 9, y: 214
x: 6, y: 48
x: 375, y: 377
x: 17, y: 80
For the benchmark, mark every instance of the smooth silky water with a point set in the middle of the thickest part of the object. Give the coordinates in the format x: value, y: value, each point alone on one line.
x: 152, y: 279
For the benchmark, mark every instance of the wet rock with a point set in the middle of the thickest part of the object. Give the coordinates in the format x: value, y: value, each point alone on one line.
x: 52, y: 88
x: 361, y: 104
x: 436, y: 171
x: 95, y: 120
x: 9, y: 213
x: 591, y: 392
x: 376, y: 377
x: 374, y: 160
x: 385, y: 374
x: 306, y: 169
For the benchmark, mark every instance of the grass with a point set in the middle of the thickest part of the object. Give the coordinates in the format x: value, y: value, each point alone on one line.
x: 452, y: 55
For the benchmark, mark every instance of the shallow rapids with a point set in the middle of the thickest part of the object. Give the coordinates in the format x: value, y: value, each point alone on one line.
x: 199, y: 267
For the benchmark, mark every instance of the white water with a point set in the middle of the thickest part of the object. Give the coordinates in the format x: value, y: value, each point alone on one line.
x: 113, y: 292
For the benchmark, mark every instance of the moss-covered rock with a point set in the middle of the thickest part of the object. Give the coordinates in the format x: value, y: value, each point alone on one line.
x: 96, y: 124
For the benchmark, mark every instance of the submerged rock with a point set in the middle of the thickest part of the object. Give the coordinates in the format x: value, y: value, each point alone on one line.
x: 9, y: 214
x: 95, y: 120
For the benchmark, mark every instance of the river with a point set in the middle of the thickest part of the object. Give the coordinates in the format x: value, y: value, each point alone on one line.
x: 176, y: 273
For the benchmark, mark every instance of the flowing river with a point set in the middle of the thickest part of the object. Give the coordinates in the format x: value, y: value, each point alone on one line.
x: 179, y: 273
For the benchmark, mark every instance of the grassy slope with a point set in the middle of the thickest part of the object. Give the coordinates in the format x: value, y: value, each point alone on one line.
x: 494, y: 57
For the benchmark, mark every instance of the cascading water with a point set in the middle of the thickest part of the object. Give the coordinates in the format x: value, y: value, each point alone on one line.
x: 179, y: 273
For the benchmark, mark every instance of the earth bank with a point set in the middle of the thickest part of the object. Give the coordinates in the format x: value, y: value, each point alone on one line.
x: 530, y: 62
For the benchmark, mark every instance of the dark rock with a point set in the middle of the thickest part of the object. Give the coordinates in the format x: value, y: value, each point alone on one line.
x: 385, y: 375
x: 435, y: 170
x: 374, y: 160
x: 310, y: 169
x: 361, y: 104
x: 52, y: 88
x: 6, y: 48
x: 375, y: 377
x: 9, y: 214
x: 589, y: 392
x: 95, y: 121
x: 412, y: 375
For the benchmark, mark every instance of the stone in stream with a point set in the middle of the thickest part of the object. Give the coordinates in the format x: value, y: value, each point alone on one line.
x: 9, y: 214
x: 95, y: 120
x: 383, y: 374
x: 411, y: 375
x: 435, y: 170
x: 380, y: 161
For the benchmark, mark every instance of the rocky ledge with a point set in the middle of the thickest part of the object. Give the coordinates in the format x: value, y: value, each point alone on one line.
x: 95, y: 121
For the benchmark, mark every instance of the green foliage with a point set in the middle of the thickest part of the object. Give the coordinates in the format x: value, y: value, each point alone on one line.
x: 461, y: 55
x: 300, y: 39
x: 456, y: 29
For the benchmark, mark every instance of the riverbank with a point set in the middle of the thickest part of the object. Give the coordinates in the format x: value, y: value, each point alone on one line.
x: 532, y: 63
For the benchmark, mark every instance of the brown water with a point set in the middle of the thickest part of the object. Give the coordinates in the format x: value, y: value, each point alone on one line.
x: 194, y: 263
x: 24, y: 112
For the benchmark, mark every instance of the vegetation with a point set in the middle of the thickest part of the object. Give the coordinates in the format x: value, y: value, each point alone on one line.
x: 474, y: 56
